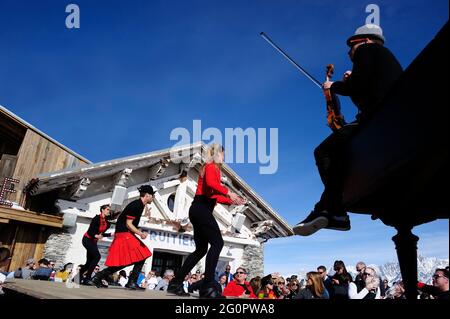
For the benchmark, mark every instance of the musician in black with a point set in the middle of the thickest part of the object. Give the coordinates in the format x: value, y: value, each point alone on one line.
x: 97, y: 230
x: 375, y: 70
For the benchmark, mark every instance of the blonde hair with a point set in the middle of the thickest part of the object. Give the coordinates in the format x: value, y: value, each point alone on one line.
x: 374, y: 279
x: 213, y: 152
x: 212, y: 156
x: 317, y: 287
x: 276, y: 280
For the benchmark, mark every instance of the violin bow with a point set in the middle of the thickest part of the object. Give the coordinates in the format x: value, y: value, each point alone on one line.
x: 306, y: 73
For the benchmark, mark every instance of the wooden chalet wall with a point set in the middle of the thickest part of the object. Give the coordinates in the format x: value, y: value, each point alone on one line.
x: 26, y: 152
x: 39, y: 155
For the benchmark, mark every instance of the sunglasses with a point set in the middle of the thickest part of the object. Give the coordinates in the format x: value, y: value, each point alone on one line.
x: 437, y: 276
x: 241, y: 273
x: 367, y: 274
x: 281, y: 283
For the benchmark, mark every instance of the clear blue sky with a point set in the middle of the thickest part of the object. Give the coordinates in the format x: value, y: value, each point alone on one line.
x: 137, y: 69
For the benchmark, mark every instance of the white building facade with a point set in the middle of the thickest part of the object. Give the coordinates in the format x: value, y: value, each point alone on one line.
x: 78, y: 193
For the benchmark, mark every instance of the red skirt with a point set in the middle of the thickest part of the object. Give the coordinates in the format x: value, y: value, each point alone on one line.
x: 126, y: 249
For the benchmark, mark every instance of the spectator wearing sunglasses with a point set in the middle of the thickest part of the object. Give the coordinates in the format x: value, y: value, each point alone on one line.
x: 294, y: 288
x: 322, y: 270
x: 359, y: 280
x: 439, y: 289
x: 371, y: 289
x: 279, y: 287
x: 239, y: 287
x: 340, y: 281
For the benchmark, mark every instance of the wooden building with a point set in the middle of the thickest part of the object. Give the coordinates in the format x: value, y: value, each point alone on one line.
x: 26, y: 152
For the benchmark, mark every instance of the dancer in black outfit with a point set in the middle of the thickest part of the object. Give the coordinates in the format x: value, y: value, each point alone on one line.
x: 126, y: 249
x: 99, y: 225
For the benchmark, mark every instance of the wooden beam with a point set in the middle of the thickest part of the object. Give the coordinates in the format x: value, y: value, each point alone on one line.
x: 4, y: 220
x: 40, y: 244
x: 27, y: 216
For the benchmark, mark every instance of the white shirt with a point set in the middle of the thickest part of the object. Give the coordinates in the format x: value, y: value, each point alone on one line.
x: 353, y: 292
x: 152, y: 282
x: 123, y: 281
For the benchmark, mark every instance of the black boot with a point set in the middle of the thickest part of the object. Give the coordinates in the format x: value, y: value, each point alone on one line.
x: 176, y: 287
x: 97, y: 280
x: 132, y: 279
x: 211, y: 290
x: 133, y: 286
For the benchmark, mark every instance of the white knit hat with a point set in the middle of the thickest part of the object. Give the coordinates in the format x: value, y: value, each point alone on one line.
x: 370, y: 31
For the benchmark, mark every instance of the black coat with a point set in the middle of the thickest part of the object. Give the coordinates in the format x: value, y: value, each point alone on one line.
x: 375, y: 70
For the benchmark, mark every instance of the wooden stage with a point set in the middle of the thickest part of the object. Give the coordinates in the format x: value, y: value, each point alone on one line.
x: 57, y: 290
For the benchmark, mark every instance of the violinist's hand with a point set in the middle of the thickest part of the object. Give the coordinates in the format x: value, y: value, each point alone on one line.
x: 327, y: 85
x: 346, y: 75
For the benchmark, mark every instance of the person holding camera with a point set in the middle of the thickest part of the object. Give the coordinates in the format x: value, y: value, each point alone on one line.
x: 367, y: 288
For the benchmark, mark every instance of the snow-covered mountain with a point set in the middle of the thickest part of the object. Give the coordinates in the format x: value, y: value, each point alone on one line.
x: 425, y: 269
x: 391, y: 270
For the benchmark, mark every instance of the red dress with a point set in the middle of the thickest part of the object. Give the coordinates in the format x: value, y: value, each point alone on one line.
x: 126, y: 248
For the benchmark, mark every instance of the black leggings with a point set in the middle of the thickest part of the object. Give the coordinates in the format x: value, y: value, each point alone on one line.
x: 92, y: 257
x: 331, y: 160
x: 206, y: 231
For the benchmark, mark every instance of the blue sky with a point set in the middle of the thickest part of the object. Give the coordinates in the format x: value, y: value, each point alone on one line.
x: 135, y: 70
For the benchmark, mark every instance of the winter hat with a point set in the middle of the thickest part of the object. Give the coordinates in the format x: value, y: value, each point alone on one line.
x: 369, y: 31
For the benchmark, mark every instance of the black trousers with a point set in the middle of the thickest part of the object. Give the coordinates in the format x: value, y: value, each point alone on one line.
x: 134, y: 274
x: 331, y: 160
x: 206, y: 231
x: 92, y: 257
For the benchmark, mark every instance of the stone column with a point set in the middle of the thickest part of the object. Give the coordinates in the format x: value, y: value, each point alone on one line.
x: 56, y: 247
x: 253, y: 261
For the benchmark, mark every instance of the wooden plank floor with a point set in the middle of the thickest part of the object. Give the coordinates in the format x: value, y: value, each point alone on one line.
x: 56, y: 290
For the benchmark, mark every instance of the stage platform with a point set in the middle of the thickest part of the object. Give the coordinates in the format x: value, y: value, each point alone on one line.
x: 57, y: 290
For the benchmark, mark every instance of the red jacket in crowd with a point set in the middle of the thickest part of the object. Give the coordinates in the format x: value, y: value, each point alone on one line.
x: 233, y: 289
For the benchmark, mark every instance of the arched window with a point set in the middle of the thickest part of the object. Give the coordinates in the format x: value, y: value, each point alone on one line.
x: 171, y: 202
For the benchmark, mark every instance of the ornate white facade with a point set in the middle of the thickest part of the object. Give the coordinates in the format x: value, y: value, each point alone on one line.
x: 82, y: 190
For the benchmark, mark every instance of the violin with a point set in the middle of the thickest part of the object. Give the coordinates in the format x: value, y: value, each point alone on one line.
x: 335, y: 119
